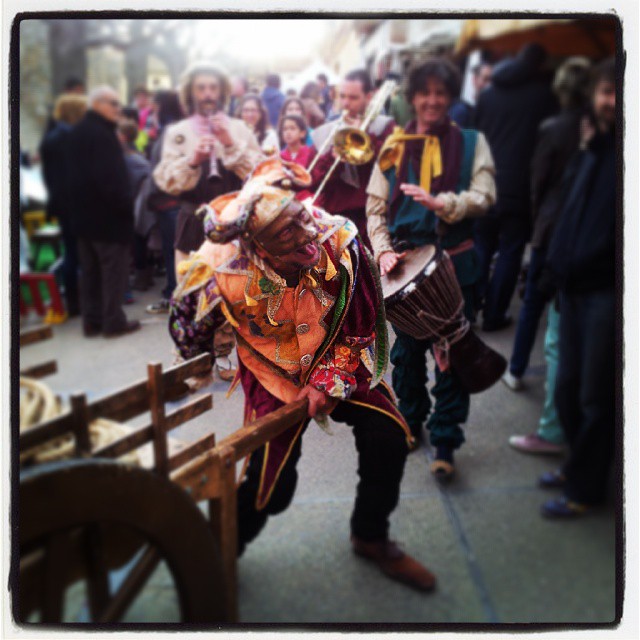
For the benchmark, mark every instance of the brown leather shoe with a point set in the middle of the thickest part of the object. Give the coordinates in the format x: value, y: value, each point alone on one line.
x: 395, y: 563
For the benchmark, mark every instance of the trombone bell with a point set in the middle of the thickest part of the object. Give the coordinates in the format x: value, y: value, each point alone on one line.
x: 353, y: 146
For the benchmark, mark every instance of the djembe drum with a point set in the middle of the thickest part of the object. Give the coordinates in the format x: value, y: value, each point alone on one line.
x: 422, y: 297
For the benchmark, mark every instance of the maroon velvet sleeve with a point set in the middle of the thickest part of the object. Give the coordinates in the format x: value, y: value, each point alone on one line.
x: 361, y: 316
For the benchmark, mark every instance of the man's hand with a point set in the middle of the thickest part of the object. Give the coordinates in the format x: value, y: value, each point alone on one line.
x: 421, y: 196
x: 319, y: 402
x: 202, y: 152
x: 389, y: 261
x: 220, y: 128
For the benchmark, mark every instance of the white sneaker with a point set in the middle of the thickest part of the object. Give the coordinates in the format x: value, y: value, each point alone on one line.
x: 515, y: 384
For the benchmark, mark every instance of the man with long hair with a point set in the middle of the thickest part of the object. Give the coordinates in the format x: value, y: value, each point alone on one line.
x: 203, y: 156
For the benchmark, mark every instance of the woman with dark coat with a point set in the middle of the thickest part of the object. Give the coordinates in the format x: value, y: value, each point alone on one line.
x: 54, y: 151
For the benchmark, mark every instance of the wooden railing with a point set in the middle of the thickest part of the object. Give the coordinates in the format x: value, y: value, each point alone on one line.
x: 205, y: 470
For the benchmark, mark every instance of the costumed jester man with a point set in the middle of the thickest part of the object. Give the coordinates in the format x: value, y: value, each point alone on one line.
x: 304, y: 298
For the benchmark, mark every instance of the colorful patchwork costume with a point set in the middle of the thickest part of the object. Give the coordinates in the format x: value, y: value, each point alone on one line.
x: 328, y: 331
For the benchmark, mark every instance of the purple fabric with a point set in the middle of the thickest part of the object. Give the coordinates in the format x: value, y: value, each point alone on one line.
x: 193, y: 338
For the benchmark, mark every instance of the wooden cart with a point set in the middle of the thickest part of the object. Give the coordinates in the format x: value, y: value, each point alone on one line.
x: 82, y: 518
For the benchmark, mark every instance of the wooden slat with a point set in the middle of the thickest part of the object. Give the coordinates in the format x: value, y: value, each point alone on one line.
x: 255, y: 434
x: 123, y: 404
x: 224, y: 523
x: 196, y: 366
x: 192, y: 451
x: 125, y: 444
x: 40, y: 370
x: 36, y: 334
x: 53, y: 582
x: 197, y: 479
x: 126, y: 403
x: 97, y: 572
x: 190, y: 410
x: 158, y: 419
x: 129, y: 589
x: 53, y: 428
x: 145, y: 434
x: 80, y: 414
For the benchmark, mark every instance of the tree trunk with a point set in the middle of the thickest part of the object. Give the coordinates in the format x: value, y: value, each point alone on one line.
x: 67, y: 50
x: 136, y: 59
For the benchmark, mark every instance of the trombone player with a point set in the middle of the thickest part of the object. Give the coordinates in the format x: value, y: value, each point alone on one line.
x: 344, y: 192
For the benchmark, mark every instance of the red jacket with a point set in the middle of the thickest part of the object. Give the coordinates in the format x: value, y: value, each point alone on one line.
x: 338, y: 196
x: 304, y: 156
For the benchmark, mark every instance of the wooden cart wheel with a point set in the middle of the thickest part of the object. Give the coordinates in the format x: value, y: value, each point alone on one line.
x: 78, y: 518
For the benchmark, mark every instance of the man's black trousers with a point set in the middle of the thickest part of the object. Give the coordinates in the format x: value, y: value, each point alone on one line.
x: 382, y: 452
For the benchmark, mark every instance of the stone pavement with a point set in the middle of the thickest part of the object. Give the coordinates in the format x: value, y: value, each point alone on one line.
x: 497, y: 560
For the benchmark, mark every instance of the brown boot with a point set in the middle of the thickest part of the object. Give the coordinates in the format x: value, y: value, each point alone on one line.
x: 395, y: 563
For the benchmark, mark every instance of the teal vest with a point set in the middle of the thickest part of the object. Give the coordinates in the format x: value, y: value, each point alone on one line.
x: 416, y: 224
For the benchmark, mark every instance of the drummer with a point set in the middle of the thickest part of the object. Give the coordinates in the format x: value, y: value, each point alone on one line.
x: 430, y: 180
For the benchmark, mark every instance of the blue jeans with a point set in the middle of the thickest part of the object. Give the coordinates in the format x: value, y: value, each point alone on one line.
x: 530, y: 314
x: 167, y: 226
x: 585, y: 391
x: 549, y: 427
x: 506, y: 233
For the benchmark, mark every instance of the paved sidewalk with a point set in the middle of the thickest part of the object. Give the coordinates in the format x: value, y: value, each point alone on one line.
x: 497, y: 560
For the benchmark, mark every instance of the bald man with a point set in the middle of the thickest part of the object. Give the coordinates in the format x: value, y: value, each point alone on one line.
x: 102, y: 216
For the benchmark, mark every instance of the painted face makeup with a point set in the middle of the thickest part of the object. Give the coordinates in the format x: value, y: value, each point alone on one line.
x: 291, y: 239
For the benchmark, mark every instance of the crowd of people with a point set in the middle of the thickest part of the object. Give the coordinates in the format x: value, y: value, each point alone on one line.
x: 223, y: 174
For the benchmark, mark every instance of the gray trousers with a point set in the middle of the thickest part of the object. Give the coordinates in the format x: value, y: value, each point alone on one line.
x: 103, y: 283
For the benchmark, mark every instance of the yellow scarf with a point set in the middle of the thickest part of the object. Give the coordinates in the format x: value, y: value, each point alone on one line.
x: 430, y: 163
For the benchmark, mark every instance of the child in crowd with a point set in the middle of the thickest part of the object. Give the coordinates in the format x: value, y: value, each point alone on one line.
x: 292, y: 131
x: 294, y: 107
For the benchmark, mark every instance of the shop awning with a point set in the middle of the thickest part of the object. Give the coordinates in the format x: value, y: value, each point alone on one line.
x: 592, y: 37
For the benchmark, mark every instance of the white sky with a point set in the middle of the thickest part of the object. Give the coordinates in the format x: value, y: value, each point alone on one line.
x: 251, y: 40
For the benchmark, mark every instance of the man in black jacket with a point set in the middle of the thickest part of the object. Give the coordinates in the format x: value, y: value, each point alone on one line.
x: 558, y: 139
x: 582, y: 258
x: 509, y: 113
x: 102, y: 215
